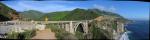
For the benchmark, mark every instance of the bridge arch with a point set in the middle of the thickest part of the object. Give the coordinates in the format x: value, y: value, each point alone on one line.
x: 80, y: 27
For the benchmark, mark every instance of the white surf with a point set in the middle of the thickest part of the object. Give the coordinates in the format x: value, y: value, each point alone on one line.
x: 125, y: 36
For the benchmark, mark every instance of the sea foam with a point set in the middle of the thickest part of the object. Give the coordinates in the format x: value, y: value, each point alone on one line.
x: 124, y: 36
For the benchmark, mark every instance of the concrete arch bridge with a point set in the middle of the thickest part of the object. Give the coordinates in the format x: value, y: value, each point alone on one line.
x: 70, y: 26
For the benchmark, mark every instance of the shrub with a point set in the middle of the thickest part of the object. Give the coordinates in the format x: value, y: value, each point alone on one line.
x: 60, y: 33
x: 97, y: 32
x: 12, y: 35
x: 24, y: 35
x: 79, y: 35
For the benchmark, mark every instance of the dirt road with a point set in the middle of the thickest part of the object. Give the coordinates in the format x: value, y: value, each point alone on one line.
x: 45, y: 34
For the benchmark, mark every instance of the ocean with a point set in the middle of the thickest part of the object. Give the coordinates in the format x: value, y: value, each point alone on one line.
x: 138, y: 30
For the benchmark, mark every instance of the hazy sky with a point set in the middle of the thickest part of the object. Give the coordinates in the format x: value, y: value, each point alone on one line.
x: 127, y: 9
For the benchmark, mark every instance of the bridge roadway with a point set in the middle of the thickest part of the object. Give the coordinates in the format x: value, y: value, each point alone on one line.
x: 26, y: 22
x: 69, y: 26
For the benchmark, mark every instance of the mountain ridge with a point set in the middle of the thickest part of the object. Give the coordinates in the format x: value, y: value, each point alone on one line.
x: 76, y: 14
x: 7, y: 13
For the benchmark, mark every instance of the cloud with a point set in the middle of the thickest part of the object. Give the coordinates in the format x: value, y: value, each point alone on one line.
x: 112, y: 9
x: 99, y: 7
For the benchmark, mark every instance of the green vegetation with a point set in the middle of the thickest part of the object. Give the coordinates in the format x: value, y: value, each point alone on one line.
x: 79, y: 35
x: 80, y: 14
x: 24, y: 35
x: 60, y: 33
x: 97, y: 32
x: 55, y: 16
x: 4, y: 18
x: 12, y: 35
x: 5, y: 13
x: 114, y: 26
x: 79, y: 32
x: 76, y: 14
x: 31, y: 15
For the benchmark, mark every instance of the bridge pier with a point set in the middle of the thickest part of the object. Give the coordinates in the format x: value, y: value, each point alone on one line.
x: 67, y: 27
x: 86, y: 27
x: 63, y: 26
x: 60, y: 25
x: 71, y: 28
x: 6, y: 22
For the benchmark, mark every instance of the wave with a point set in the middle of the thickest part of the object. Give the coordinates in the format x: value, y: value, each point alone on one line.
x: 125, y: 36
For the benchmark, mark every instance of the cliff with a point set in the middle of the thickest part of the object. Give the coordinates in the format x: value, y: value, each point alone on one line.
x: 7, y: 13
x: 109, y: 26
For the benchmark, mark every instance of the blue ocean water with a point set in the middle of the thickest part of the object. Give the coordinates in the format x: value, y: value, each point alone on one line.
x: 139, y: 30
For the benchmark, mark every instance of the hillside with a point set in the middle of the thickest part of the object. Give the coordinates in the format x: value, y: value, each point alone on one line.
x: 55, y: 16
x: 80, y: 14
x: 7, y: 13
x: 76, y: 14
x: 31, y: 15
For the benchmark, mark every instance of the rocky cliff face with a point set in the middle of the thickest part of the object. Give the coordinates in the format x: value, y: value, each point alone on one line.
x: 112, y: 25
x: 7, y: 13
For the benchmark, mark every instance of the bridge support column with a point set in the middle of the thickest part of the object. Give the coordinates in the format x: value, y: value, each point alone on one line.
x: 2, y: 22
x: 58, y: 25
x: 63, y: 26
x: 86, y: 27
x: 6, y: 22
x: 71, y: 29
x: 67, y: 27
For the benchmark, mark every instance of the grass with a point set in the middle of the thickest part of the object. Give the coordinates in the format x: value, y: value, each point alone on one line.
x: 97, y: 32
x: 24, y: 35
x: 114, y: 26
x: 79, y: 35
x: 60, y: 33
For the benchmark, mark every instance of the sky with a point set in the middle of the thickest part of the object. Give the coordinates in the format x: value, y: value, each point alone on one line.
x: 127, y: 9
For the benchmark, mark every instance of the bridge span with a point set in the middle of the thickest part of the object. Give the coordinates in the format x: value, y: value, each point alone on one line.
x: 70, y: 26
